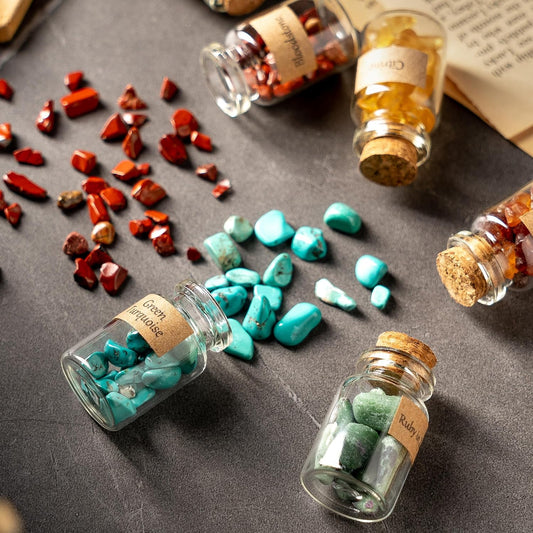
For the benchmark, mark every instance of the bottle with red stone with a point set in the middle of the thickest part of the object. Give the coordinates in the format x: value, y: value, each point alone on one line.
x: 278, y: 53
x: 234, y: 7
x: 495, y: 255
x: 145, y: 353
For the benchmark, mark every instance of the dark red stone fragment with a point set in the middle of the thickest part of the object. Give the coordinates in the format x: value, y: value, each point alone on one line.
x: 158, y: 230
x: 129, y: 99
x: 73, y: 80
x: 132, y: 143
x: 94, y: 185
x: 97, y: 209
x: 168, y: 89
x: 144, y: 168
x: 193, y: 254
x: 75, y: 244
x: 112, y: 276
x: 134, y: 119
x: 5, y: 134
x: 156, y: 216
x: 98, y: 256
x: 221, y: 188
x: 22, y: 185
x: 3, y: 203
x: 13, y: 213
x: 184, y: 122
x: 148, y: 192
x: 28, y: 156
x: 207, y: 172
x: 201, y: 141
x: 80, y: 102
x: 6, y: 91
x: 172, y: 149
x: 83, y: 275
x: 114, y: 128
x: 114, y: 198
x: 83, y: 161
x: 46, y: 119
x: 141, y: 227
x: 164, y: 245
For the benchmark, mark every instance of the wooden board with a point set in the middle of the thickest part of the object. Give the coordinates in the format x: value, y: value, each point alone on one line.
x: 11, y: 14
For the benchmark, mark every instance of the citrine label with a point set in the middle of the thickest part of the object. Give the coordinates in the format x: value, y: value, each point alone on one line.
x: 158, y: 321
x: 392, y: 64
x: 409, y: 426
x: 287, y: 41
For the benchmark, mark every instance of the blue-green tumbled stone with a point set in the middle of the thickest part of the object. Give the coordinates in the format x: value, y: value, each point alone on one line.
x: 107, y: 385
x: 279, y: 272
x: 272, y: 294
x: 343, y: 218
x: 119, y: 355
x: 162, y: 378
x: 359, y: 442
x: 375, y: 409
x: 216, y: 282
x: 327, y: 292
x: 136, y: 342
x: 223, y: 251
x: 369, y: 270
x: 97, y: 364
x: 242, y: 345
x: 121, y: 407
x: 231, y: 299
x: 238, y: 228
x: 243, y: 276
x: 129, y: 376
x: 272, y: 228
x: 297, y: 323
x: 259, y: 319
x: 188, y: 364
x: 309, y: 244
x: 143, y: 396
x: 380, y: 296
x: 343, y: 413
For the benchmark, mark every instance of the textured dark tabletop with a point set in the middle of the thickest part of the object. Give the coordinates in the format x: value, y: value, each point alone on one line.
x: 224, y: 453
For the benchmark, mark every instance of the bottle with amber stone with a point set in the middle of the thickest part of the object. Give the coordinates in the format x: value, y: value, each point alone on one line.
x: 234, y: 7
x: 496, y: 255
x: 398, y: 94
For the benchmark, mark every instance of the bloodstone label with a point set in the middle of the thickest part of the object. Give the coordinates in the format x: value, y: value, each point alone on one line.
x: 409, y: 426
x: 158, y: 321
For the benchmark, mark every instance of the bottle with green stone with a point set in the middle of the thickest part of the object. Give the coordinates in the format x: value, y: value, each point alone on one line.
x: 373, y: 430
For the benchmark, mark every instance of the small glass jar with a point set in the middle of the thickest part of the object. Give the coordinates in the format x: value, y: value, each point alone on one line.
x: 234, y: 7
x: 371, y: 434
x: 145, y: 354
x: 497, y: 254
x: 398, y: 94
x: 278, y: 53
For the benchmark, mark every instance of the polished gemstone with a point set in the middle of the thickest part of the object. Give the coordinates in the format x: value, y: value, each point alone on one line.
x: 75, y: 244
x: 297, y: 324
x: 148, y: 192
x: 343, y: 218
x: 208, y: 172
x: 156, y: 216
x: 259, y: 319
x: 171, y: 147
x: 69, y: 200
x: 119, y: 355
x: 24, y: 186
x: 279, y: 272
x: 184, y: 122
x: 73, y: 80
x: 140, y: 227
x: 143, y: 396
x: 242, y: 344
x: 272, y: 228
x: 5, y: 135
x: 375, y: 409
x: 327, y: 292
x: 201, y: 141
x: 272, y: 294
x: 358, y: 443
x: 162, y: 378
x: 114, y: 198
x: 13, y: 212
x: 164, y: 245
x: 309, y: 244
x: 126, y: 170
x: 238, y: 228
x: 231, y: 299
x: 221, y: 188
x: 134, y: 119
x: 129, y: 100
x: 168, y: 89
x: 380, y: 297
x: 97, y: 364
x: 98, y: 256
x: 243, y: 276
x: 46, y: 119
x: 97, y: 209
x: 28, y: 156
x: 216, y: 282
x: 112, y: 277
x: 6, y: 91
x: 94, y: 184
x: 121, y: 407
x: 103, y: 232
x: 83, y: 161
x: 135, y: 341
x: 114, y: 128
x: 370, y: 270
x: 132, y: 143
x: 193, y: 254
x: 84, y: 275
x: 80, y: 102
x: 223, y: 251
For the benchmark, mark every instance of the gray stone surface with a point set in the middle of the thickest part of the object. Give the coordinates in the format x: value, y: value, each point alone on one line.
x: 224, y: 453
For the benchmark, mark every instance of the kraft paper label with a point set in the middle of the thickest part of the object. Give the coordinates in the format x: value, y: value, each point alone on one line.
x: 392, y: 64
x: 287, y: 40
x: 158, y: 321
x: 527, y: 220
x: 409, y: 426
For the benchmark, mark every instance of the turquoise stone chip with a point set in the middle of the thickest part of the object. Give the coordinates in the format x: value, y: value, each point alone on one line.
x: 119, y: 355
x: 359, y: 442
x: 309, y: 244
x: 369, y: 270
x: 242, y: 345
x: 272, y: 294
x: 238, y: 228
x: 231, y: 299
x: 136, y: 342
x: 121, y: 407
x: 327, y: 292
x: 223, y: 251
x: 243, y: 276
x: 129, y: 376
x: 343, y: 218
x: 107, y: 385
x: 259, y: 319
x: 216, y: 282
x: 279, y: 272
x: 375, y: 409
x: 272, y: 228
x: 96, y: 364
x: 143, y: 396
x: 297, y: 323
x: 188, y: 364
x: 162, y: 378
x: 343, y: 413
x: 380, y: 296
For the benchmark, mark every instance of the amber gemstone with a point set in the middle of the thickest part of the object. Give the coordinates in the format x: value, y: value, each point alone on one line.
x: 164, y: 245
x: 156, y: 216
x: 80, y: 102
x: 6, y: 91
x: 148, y: 192
x: 172, y: 149
x: 98, y: 256
x: 168, y: 89
x: 114, y: 198
x: 103, y: 233
x: 132, y: 144
x: 75, y: 244
x: 73, y: 80
x: 144, y: 168
x: 126, y: 170
x: 140, y: 227
x: 28, y: 156
x: 207, y: 172
x: 69, y: 200
x: 184, y: 122
x: 83, y: 161
x: 158, y: 230
x: 94, y: 185
x: 22, y: 185
x: 13, y: 213
x: 112, y: 277
x: 134, y: 119
x: 193, y: 254
x: 114, y: 128
x: 221, y: 188
x: 83, y: 275
x: 97, y: 209
x: 129, y: 99
x: 201, y: 141
x: 5, y: 134
x: 46, y: 119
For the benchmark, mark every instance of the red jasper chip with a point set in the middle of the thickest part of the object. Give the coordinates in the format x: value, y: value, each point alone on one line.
x: 112, y: 277
x: 3, y: 203
x: 184, y: 122
x: 159, y: 230
x: 46, y: 119
x: 132, y: 144
x: 98, y: 256
x: 126, y: 170
x: 73, y: 80
x: 141, y: 227
x: 221, y: 188
x: 129, y: 99
x: 144, y: 168
x: 83, y: 161
x: 80, y: 102
x: 201, y: 141
x: 114, y: 198
x: 28, y: 156
x: 164, y: 245
x: 5, y: 134
x: 97, y: 209
x: 156, y: 216
x: 75, y: 244
x: 168, y: 89
x: 134, y: 119
x: 22, y: 185
x: 94, y: 185
x: 193, y: 254
x: 13, y: 213
x: 114, y: 128
x: 6, y: 91
x: 148, y: 192
x: 207, y: 172
x: 172, y: 149
x: 83, y: 275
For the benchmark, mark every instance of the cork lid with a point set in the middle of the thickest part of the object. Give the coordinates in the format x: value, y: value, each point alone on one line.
x: 389, y: 161
x: 241, y: 7
x: 410, y: 345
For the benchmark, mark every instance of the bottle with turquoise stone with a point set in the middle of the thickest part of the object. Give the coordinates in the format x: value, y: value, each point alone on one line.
x: 370, y: 437
x: 144, y: 354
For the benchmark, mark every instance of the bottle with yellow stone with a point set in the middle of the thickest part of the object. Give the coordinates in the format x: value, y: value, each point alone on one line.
x: 398, y: 94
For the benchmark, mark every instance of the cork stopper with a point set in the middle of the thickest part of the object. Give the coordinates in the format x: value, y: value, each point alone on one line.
x: 241, y: 7
x: 410, y: 345
x: 389, y: 161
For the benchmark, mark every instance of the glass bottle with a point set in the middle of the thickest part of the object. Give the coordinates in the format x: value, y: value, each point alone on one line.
x: 374, y: 427
x: 278, y: 53
x: 497, y: 254
x: 145, y: 354
x: 398, y: 94
x: 234, y: 7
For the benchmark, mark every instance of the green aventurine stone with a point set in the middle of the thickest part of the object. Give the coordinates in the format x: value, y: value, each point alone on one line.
x: 238, y: 228
x: 309, y: 244
x: 279, y: 272
x: 343, y: 414
x: 375, y: 409
x: 343, y: 218
x: 242, y: 345
x: 359, y: 442
x: 223, y: 251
